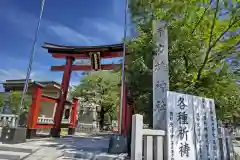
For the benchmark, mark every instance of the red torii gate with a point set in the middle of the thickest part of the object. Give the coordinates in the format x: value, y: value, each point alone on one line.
x: 70, y: 53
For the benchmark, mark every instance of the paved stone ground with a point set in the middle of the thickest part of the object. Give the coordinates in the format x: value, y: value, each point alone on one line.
x: 79, y: 147
x: 45, y: 153
x: 236, y: 146
x: 85, y: 147
x: 16, y: 151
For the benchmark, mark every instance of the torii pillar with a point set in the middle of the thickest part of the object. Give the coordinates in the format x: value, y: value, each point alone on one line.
x: 56, y: 130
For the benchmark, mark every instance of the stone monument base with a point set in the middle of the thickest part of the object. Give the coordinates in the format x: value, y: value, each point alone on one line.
x: 117, y: 144
x: 13, y: 135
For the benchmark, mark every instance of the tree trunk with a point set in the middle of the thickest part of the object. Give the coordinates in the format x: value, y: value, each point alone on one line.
x: 101, y: 121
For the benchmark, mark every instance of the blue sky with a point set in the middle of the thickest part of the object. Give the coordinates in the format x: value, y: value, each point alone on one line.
x: 75, y: 22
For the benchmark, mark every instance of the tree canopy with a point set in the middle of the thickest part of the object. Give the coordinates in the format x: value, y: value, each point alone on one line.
x: 202, y: 35
x: 14, y: 99
x: 101, y: 88
x: 1, y: 101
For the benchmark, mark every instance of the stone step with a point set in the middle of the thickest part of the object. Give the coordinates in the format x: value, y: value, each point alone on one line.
x: 78, y: 154
x: 96, y: 149
x: 8, y: 155
x: 67, y: 158
x: 91, y: 155
x: 96, y: 158
x: 17, y: 148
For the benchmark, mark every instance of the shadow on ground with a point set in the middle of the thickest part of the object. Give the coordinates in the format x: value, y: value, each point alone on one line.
x: 85, y: 146
x: 74, y: 143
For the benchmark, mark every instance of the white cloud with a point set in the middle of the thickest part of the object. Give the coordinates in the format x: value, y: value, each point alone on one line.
x: 16, y: 68
x: 70, y: 35
x: 36, y: 75
x: 112, y: 30
x: 21, y: 63
x: 99, y: 31
x: 118, y: 8
x: 109, y: 29
x: 26, y: 23
x: 8, y: 74
x: 39, y: 72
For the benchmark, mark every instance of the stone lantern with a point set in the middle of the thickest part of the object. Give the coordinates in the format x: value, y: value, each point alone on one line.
x: 98, y: 108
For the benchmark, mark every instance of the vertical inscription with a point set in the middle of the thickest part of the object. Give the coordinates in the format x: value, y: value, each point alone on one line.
x: 182, y: 119
x: 160, y: 75
x: 205, y: 129
x: 180, y: 127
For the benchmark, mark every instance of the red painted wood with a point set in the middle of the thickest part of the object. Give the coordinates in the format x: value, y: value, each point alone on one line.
x: 49, y: 99
x: 34, y: 107
x: 85, y: 67
x: 63, y: 95
x: 30, y: 116
x: 64, y: 55
x: 43, y: 126
x: 130, y: 113
x: 118, y: 118
x: 74, y: 113
x: 74, y: 67
x: 83, y: 55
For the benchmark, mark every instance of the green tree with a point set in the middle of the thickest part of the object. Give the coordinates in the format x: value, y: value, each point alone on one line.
x: 202, y: 34
x: 14, y: 99
x: 1, y: 101
x: 235, y: 64
x: 100, y: 88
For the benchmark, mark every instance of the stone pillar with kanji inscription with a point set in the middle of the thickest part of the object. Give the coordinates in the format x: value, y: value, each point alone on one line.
x: 160, y: 75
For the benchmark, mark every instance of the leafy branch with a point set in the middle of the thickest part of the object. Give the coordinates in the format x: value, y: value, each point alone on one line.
x: 214, y: 43
x: 229, y: 50
x: 202, y: 16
